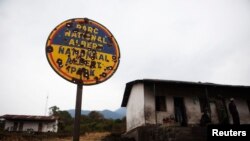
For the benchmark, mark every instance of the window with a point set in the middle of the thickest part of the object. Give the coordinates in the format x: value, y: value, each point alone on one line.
x: 160, y: 103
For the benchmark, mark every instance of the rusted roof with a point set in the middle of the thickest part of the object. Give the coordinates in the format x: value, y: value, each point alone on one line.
x: 29, y: 117
x: 129, y: 86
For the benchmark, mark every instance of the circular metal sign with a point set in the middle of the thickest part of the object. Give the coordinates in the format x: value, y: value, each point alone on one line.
x: 83, y: 51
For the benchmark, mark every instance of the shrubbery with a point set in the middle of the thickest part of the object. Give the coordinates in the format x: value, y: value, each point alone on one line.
x: 93, y: 122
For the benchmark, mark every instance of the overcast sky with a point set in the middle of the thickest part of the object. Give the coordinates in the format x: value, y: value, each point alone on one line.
x: 188, y: 40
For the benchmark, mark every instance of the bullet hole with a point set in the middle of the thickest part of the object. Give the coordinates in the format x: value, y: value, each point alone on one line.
x: 81, y: 61
x: 96, y: 79
x: 114, y: 58
x: 49, y: 49
x: 110, y: 39
x: 86, y: 20
x: 92, y: 64
x: 77, y: 81
x: 74, y: 61
x: 103, y: 74
x: 110, y: 44
x: 79, y: 71
x: 99, y: 48
x: 68, y: 67
x: 85, y: 62
x: 69, y: 25
x: 109, y: 68
x: 76, y: 51
x: 82, y: 53
x: 59, y: 62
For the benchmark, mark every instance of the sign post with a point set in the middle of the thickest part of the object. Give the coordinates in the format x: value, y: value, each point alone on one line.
x: 83, y: 52
x: 76, y: 133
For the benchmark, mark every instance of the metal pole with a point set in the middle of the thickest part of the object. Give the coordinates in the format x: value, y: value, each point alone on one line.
x: 76, y: 134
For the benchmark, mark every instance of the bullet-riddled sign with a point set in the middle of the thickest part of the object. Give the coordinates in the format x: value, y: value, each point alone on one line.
x: 83, y: 51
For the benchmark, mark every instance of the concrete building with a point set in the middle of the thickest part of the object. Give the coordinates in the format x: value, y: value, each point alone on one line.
x: 29, y: 123
x: 179, y: 103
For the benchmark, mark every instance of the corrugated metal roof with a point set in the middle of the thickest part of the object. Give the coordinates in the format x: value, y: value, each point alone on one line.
x: 129, y: 86
x: 29, y: 117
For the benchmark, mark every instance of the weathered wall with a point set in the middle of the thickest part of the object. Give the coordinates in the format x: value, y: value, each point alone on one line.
x: 214, y: 115
x: 30, y: 125
x: 135, y: 107
x: 8, y: 126
x: 193, y: 110
x: 191, y: 103
x: 169, y: 109
x: 242, y: 109
x: 50, y: 127
x: 190, y: 98
x: 149, y: 104
x: 47, y: 126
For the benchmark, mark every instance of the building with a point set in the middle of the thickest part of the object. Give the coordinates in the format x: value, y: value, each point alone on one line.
x: 179, y: 103
x: 30, y: 123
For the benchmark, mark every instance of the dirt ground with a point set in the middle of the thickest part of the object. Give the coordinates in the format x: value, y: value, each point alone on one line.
x: 98, y: 136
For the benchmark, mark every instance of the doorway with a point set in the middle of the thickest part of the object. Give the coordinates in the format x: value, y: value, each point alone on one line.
x: 40, y: 127
x: 180, y: 111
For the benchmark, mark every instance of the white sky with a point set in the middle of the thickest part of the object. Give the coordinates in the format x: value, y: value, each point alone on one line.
x: 189, y: 40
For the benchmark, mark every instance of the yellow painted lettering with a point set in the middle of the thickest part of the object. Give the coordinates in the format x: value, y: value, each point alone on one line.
x: 93, y: 38
x: 104, y: 40
x: 74, y: 35
x: 87, y: 37
x: 78, y: 26
x: 72, y: 42
x: 84, y: 28
x: 83, y: 43
x: 67, y: 33
x: 90, y: 29
x: 99, y: 39
x: 95, y: 30
x: 94, y: 45
x: 89, y: 44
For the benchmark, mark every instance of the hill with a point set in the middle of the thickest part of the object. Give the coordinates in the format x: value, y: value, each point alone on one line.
x: 117, y: 114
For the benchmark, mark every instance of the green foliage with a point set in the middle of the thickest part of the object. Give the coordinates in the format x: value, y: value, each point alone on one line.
x: 93, y: 122
x: 54, y: 110
x: 65, y: 124
x: 95, y: 115
x: 1, y: 125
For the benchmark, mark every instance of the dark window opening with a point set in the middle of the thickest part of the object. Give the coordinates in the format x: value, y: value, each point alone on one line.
x: 20, y: 128
x: 180, y: 111
x: 40, y: 127
x: 160, y: 103
x: 203, y: 104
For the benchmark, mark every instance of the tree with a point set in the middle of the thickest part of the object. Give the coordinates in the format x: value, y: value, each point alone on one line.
x: 65, y: 120
x: 95, y: 115
x: 54, y: 111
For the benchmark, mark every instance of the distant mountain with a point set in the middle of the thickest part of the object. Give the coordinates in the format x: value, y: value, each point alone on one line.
x: 117, y: 114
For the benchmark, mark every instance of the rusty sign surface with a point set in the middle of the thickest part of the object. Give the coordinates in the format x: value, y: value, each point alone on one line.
x: 83, y: 51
